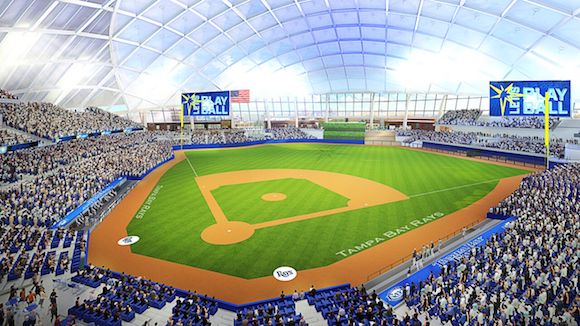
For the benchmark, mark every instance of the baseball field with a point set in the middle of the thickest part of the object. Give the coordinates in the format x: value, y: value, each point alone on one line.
x: 246, y: 211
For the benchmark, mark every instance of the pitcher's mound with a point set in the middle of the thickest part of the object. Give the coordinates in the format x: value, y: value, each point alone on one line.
x: 274, y: 196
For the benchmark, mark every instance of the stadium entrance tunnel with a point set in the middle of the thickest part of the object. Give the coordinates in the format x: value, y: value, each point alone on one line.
x: 360, y: 192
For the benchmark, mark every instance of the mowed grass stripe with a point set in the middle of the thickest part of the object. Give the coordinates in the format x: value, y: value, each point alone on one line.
x: 171, y: 228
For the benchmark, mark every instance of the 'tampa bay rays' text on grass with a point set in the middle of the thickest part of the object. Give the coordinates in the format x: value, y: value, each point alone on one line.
x: 389, y: 234
x: 149, y: 202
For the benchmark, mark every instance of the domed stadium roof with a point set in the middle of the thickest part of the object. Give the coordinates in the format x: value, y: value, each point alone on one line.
x: 143, y: 53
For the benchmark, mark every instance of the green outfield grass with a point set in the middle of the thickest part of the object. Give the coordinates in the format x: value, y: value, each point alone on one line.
x: 171, y: 227
x: 303, y: 197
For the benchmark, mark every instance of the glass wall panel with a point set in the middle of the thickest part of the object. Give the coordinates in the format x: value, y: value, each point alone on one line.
x: 342, y: 105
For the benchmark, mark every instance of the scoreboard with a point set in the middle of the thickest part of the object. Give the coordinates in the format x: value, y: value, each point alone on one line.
x: 526, y: 98
x: 206, y: 104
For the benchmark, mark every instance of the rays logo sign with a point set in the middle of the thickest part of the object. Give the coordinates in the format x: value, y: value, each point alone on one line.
x: 206, y: 104
x: 526, y: 98
x: 396, y: 294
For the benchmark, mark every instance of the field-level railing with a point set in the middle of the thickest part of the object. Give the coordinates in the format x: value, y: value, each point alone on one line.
x: 408, y: 257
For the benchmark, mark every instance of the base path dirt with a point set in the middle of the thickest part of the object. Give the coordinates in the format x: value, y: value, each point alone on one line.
x: 104, y: 251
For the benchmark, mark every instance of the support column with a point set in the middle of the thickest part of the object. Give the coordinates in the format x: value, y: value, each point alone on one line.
x: 268, y: 120
x: 442, y: 106
x: 407, y: 98
x: 295, y: 112
x: 372, y: 119
x: 191, y: 123
x: 327, y: 107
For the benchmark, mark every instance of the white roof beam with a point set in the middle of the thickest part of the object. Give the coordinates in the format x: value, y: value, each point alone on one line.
x: 44, y: 15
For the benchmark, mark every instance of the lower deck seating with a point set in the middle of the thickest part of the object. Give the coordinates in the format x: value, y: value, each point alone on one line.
x: 194, y: 309
x: 124, y: 296
x: 347, y: 306
x: 278, y: 312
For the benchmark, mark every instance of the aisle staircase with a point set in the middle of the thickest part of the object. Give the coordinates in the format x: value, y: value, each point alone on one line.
x: 223, y: 318
x: 312, y: 317
x: 381, y: 138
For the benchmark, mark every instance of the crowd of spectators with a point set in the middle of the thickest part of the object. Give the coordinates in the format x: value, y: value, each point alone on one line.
x: 553, y: 192
x: 286, y: 133
x: 107, y: 120
x: 459, y: 137
x: 229, y: 136
x: 35, y: 161
x: 527, y: 275
x: 7, y: 95
x: 121, y: 297
x: 471, y: 118
x: 50, y: 121
x: 53, y: 192
x: 195, y: 309
x: 534, y: 145
x: 232, y: 136
x: 460, y: 117
x: 8, y: 138
x: 526, y: 144
x: 518, y: 122
x: 29, y: 251
x: 355, y: 306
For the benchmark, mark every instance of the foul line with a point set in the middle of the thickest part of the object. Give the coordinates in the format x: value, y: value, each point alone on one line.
x: 454, y: 188
x: 190, y: 165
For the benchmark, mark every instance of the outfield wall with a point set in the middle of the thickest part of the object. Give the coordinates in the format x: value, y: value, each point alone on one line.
x: 262, y: 142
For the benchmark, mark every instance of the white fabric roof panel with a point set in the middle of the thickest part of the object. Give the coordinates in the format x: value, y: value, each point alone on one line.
x: 143, y: 53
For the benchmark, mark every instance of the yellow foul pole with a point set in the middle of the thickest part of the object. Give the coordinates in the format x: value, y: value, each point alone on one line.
x: 181, y: 118
x: 547, y: 128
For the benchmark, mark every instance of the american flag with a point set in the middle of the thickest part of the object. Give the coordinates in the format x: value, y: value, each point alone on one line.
x: 240, y: 96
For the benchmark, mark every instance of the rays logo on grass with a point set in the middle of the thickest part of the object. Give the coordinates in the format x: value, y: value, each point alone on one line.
x: 395, y: 294
x: 284, y: 273
x: 128, y: 240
